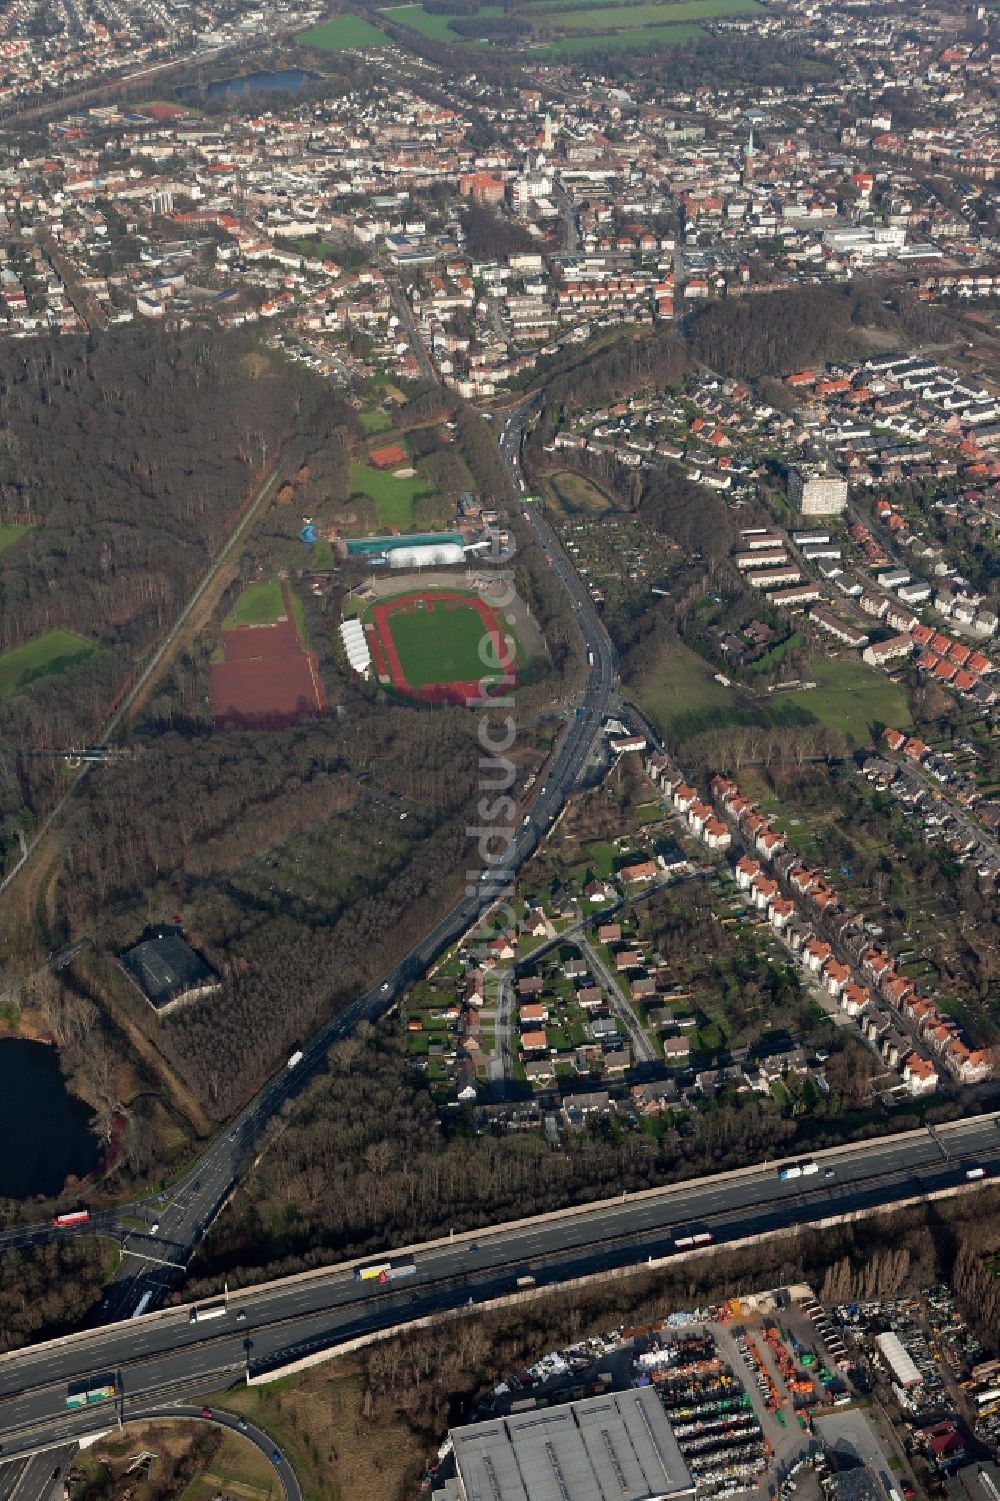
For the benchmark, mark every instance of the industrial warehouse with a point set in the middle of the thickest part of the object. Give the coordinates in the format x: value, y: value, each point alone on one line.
x: 618, y: 1447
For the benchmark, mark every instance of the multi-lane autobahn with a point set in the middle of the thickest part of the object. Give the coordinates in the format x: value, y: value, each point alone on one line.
x: 165, y: 1356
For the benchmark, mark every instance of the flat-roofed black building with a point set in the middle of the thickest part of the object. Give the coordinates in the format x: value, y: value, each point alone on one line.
x: 167, y: 969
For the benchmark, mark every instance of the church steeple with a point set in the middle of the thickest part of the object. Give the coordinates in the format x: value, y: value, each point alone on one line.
x: 748, y: 158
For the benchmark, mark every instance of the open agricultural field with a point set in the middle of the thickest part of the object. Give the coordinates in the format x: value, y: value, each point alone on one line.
x: 393, y: 497
x: 48, y: 654
x: 427, y: 645
x: 645, y: 13
x: 437, y: 27
x: 345, y: 33
x: 574, y: 30
x: 622, y: 41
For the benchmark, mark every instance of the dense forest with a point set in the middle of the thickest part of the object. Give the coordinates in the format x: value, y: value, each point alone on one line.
x: 129, y: 457
x: 182, y: 824
x: 48, y: 1290
x: 775, y: 334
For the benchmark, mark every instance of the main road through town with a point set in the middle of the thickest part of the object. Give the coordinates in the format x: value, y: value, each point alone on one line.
x: 167, y: 1356
x: 153, y: 1259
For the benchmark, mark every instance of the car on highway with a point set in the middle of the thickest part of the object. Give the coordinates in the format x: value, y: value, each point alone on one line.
x: 241, y: 1316
x: 206, y: 1412
x: 243, y: 1425
x: 384, y: 986
x: 276, y: 1456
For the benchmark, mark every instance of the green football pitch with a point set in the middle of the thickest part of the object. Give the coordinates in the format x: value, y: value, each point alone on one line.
x: 440, y: 644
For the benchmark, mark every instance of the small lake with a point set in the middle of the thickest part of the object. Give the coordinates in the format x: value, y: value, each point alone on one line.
x: 43, y: 1129
x: 286, y: 81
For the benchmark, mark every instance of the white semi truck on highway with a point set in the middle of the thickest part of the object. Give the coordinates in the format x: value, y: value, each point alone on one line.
x: 797, y: 1170
x: 208, y: 1311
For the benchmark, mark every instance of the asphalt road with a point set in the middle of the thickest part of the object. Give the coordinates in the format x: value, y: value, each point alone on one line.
x: 166, y: 1357
x: 38, y: 1477
x: 254, y: 1435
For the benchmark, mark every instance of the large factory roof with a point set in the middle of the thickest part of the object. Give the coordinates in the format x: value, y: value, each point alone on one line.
x: 618, y: 1447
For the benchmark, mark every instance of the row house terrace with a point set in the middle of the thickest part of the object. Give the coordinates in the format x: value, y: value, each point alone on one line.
x: 815, y: 954
x: 939, y: 1032
x: 686, y: 800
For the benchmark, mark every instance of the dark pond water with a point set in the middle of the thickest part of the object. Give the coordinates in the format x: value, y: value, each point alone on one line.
x: 286, y: 80
x: 43, y: 1129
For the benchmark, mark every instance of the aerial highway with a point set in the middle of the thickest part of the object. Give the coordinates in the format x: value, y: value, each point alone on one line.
x: 166, y: 1357
x: 153, y: 1259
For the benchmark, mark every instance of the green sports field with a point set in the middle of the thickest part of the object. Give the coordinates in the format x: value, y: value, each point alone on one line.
x: 393, y: 497
x: 260, y: 604
x: 49, y: 654
x: 346, y: 33
x: 439, y: 645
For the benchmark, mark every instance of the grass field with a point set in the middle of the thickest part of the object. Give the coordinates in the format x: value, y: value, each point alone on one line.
x: 346, y: 33
x: 622, y: 27
x: 439, y: 646
x: 850, y: 696
x: 646, y: 13
x: 438, y: 28
x: 10, y: 534
x: 317, y: 1422
x: 238, y: 1468
x: 680, y: 688
x: 621, y: 41
x: 260, y: 604
x: 682, y: 698
x: 51, y: 653
x: 374, y: 420
x: 393, y: 497
x: 576, y: 494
